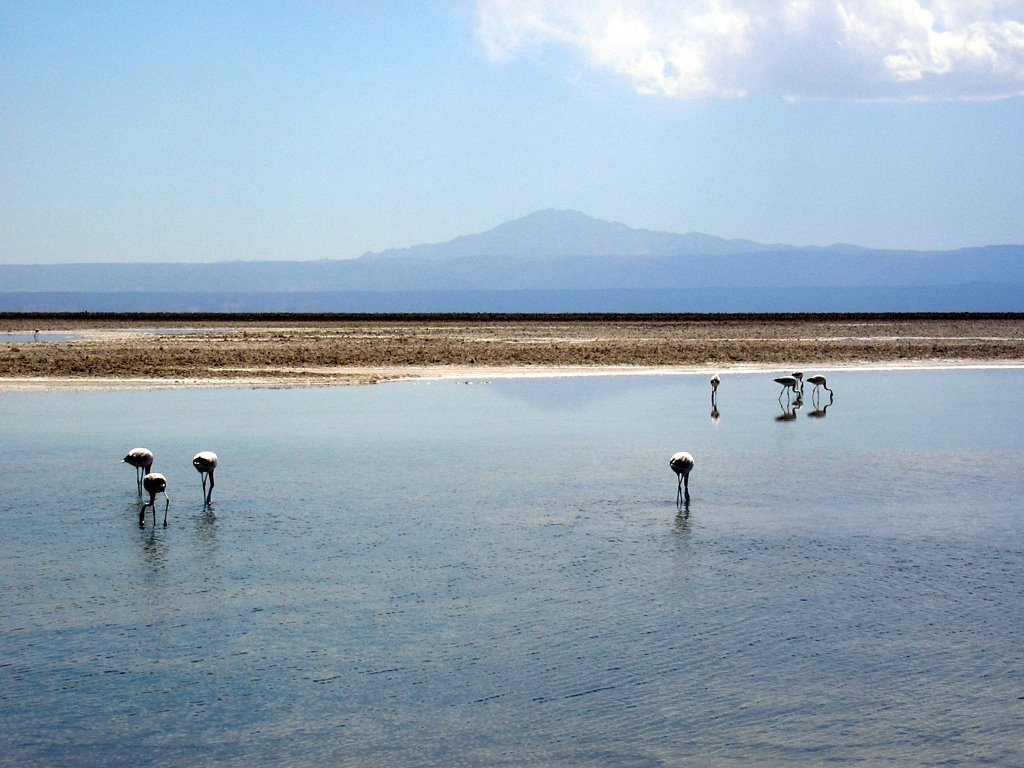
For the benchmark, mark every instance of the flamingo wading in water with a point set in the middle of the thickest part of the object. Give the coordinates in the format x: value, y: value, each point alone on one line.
x: 142, y: 460
x: 205, y: 462
x: 154, y: 483
x: 818, y: 381
x: 799, y: 376
x: 681, y: 464
x: 787, y: 382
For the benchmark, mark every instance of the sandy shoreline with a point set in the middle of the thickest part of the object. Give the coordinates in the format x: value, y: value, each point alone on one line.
x: 90, y: 353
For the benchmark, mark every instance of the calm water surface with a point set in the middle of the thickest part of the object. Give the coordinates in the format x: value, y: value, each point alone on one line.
x: 29, y: 338
x: 496, y: 573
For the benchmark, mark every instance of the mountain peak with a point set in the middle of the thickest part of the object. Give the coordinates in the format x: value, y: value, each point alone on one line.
x: 558, y: 218
x: 555, y: 233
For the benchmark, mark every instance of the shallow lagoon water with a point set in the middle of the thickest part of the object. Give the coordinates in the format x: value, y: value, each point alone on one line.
x: 496, y: 573
x: 29, y: 338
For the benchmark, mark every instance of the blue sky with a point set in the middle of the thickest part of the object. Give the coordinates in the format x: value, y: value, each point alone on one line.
x: 306, y: 130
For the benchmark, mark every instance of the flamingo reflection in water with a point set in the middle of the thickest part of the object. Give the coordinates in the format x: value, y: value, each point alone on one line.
x: 789, y: 409
x: 819, y: 411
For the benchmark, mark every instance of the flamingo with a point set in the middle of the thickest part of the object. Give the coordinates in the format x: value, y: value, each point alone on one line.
x: 715, y: 381
x: 205, y: 462
x: 799, y: 376
x: 142, y: 460
x: 154, y: 483
x: 787, y: 382
x: 681, y: 464
x: 818, y: 381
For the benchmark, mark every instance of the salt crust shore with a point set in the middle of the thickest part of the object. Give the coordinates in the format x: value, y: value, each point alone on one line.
x: 469, y: 374
x: 118, y: 352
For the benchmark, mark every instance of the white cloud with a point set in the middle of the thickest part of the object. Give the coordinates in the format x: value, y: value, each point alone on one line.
x: 860, y: 49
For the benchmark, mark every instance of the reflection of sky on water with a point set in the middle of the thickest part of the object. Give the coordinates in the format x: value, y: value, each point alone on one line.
x: 428, y: 572
x: 550, y: 393
x: 52, y: 336
x: 185, y: 331
x: 42, y: 336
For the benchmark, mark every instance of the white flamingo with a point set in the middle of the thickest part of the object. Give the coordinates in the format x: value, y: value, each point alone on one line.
x: 205, y: 462
x: 142, y: 460
x: 818, y: 381
x: 787, y: 382
x: 154, y: 483
x: 681, y: 464
x: 715, y: 381
x: 799, y: 376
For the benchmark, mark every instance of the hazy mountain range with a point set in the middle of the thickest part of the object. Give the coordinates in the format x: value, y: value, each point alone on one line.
x: 549, y: 261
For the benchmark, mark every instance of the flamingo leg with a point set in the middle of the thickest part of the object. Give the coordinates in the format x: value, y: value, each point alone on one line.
x: 167, y: 503
x: 209, y: 494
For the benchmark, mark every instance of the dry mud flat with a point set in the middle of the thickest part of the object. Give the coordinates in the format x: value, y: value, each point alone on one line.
x: 307, y: 350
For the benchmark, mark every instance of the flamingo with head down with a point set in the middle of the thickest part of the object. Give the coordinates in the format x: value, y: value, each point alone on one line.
x: 205, y: 462
x: 818, y: 381
x: 154, y: 483
x: 788, y: 383
x: 142, y: 460
x: 682, y: 464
